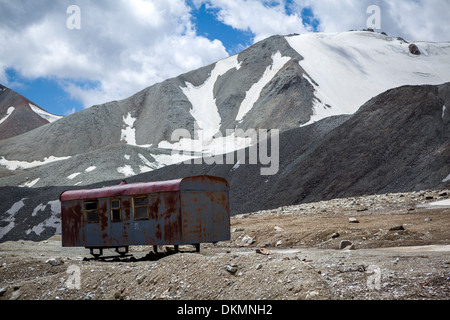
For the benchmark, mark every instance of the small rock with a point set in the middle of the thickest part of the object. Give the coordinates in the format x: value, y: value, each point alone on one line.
x: 54, y: 262
x: 263, y: 251
x: 397, y: 228
x: 3, y: 291
x: 335, y: 235
x: 15, y: 295
x: 90, y: 296
x: 278, y: 228
x: 345, y: 243
x: 414, y: 49
x: 258, y: 266
x: 140, y: 279
x: 279, y: 242
x: 247, y: 240
x: 312, y: 294
x: 231, y: 269
x: 237, y: 229
x: 353, y: 220
x: 428, y: 219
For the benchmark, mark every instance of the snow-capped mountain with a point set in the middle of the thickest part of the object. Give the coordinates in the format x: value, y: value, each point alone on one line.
x: 354, y: 112
x: 19, y: 115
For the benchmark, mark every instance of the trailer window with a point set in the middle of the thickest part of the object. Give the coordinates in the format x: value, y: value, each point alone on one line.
x: 91, y: 209
x: 140, y: 205
x: 115, y: 210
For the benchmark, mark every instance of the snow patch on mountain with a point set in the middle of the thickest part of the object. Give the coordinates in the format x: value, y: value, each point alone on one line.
x: 126, y: 170
x: 254, y: 92
x: 8, y: 113
x: 129, y: 133
x: 90, y: 169
x: 204, y: 108
x: 446, y: 179
x: 350, y: 68
x: 11, y: 217
x: 148, y: 166
x: 13, y: 165
x: 73, y: 175
x: 30, y: 183
x: 53, y: 222
x: 44, y: 114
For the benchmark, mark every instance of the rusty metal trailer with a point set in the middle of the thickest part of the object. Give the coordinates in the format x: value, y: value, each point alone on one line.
x: 190, y: 210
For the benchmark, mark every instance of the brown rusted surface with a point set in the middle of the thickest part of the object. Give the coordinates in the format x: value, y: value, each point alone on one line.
x: 126, y: 220
x: 184, y: 211
x: 103, y: 216
x: 72, y: 224
x: 170, y: 217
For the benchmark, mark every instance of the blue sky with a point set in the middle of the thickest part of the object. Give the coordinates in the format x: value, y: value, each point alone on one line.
x: 122, y: 47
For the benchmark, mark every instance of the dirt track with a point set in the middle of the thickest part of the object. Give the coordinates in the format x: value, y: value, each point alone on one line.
x: 400, y: 250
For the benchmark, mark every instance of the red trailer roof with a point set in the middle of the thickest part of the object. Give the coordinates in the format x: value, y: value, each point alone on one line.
x: 122, y: 190
x: 125, y: 189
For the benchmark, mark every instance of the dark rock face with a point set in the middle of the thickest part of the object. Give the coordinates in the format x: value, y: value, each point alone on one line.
x: 414, y: 49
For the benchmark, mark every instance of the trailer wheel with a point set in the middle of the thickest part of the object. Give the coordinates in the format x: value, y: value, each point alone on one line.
x: 96, y: 255
x: 122, y: 253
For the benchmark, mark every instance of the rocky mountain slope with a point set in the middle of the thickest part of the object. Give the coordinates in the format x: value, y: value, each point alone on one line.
x: 346, y: 114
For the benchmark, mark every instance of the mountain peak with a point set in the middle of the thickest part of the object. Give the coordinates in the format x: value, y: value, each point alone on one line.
x: 19, y: 115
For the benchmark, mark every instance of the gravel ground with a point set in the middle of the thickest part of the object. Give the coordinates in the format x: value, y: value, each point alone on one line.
x: 383, y: 247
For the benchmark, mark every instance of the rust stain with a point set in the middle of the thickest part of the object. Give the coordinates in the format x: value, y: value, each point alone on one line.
x: 155, y: 203
x: 72, y: 224
x: 103, y: 217
x: 158, y: 232
x: 171, y: 217
x: 127, y: 209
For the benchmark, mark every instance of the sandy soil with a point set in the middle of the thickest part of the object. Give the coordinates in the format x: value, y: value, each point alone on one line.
x: 398, y: 248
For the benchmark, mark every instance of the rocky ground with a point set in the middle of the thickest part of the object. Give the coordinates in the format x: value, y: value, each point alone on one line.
x: 384, y: 247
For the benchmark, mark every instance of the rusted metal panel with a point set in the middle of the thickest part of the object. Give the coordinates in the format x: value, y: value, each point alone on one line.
x: 184, y: 211
x: 163, y: 225
x: 72, y: 222
x: 205, y: 216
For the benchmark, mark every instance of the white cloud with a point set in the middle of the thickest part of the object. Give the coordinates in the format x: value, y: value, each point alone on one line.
x: 262, y: 18
x: 425, y: 20
x: 122, y: 47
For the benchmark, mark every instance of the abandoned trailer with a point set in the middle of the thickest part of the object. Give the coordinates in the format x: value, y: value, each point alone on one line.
x: 186, y: 211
